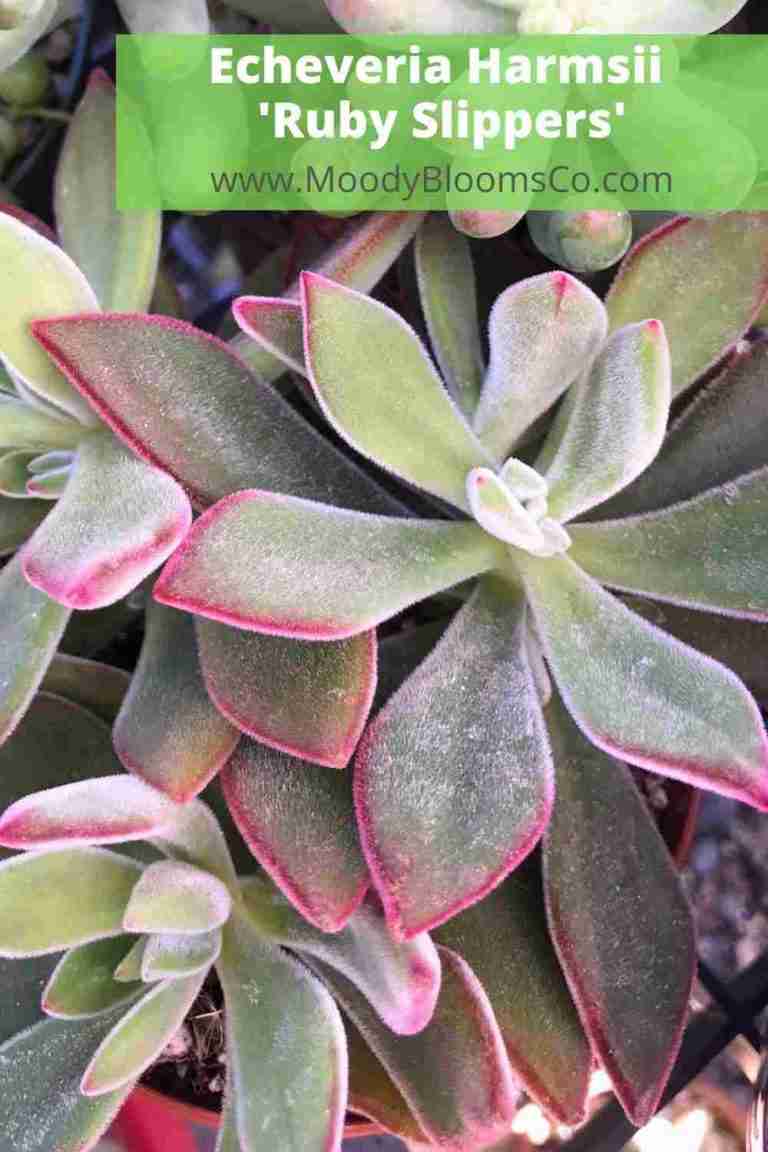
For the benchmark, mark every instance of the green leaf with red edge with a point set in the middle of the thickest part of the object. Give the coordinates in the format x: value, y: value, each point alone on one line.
x: 82, y: 984
x: 705, y: 279
x: 170, y: 956
x: 141, y: 514
x: 182, y: 400
x: 50, y: 901
x: 18, y: 520
x: 474, y: 1097
x: 286, y: 1049
x: 137, y: 1040
x: 710, y: 552
x: 275, y: 324
x: 618, y: 917
x: 117, y: 251
x: 484, y: 225
x: 378, y: 388
x: 401, y: 981
x: 611, y: 423
x: 98, y: 687
x: 328, y: 574
x: 641, y: 695
x: 506, y: 942
x: 310, y: 700
x: 31, y: 626
x: 172, y: 896
x: 298, y: 821
x: 543, y: 333
x: 169, y: 732
x: 373, y: 1093
x: 453, y: 779
x: 38, y: 279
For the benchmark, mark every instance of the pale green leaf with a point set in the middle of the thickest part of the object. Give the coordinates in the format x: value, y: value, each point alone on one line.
x: 172, y: 896
x: 83, y: 984
x: 169, y: 956
x: 25, y: 426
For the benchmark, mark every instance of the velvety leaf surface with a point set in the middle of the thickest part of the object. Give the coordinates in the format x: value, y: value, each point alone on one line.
x: 401, y: 653
x: 142, y: 1034
x: 641, y: 695
x: 473, y: 1098
x: 448, y: 295
x: 710, y: 552
x: 286, y: 1050
x: 612, y: 422
x: 380, y: 391
x: 168, y: 731
x: 705, y: 279
x: 31, y: 627
x: 18, y: 520
x: 275, y: 323
x: 38, y: 279
x: 328, y: 574
x: 25, y: 426
x: 506, y: 942
x: 298, y: 821
x: 172, y: 956
x: 117, y: 251
x: 373, y: 1093
x: 196, y: 838
x: 83, y: 983
x: 543, y: 333
x: 453, y: 779
x: 618, y: 917
x: 77, y: 895
x: 401, y: 981
x: 98, y: 687
x: 92, y: 561
x: 184, y: 401
x: 172, y: 896
x: 310, y: 700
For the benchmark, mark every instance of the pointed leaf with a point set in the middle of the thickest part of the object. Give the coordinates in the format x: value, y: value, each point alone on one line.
x: 18, y: 520
x: 641, y: 695
x: 380, y: 391
x: 91, y: 561
x: 128, y: 970
x: 98, y: 687
x: 138, y: 1039
x: 401, y: 653
x: 328, y: 574
x: 310, y: 700
x: 182, y: 400
x: 82, y: 983
x: 170, y: 956
x: 619, y: 918
x: 543, y: 333
x: 172, y: 896
x: 169, y: 732
x: 38, y: 279
x: 75, y: 895
x: 612, y: 422
x: 286, y: 1050
x: 49, y: 485
x: 298, y: 821
x: 401, y: 981
x: 506, y: 942
x: 453, y: 781
x: 25, y: 426
x: 275, y: 323
x: 705, y: 279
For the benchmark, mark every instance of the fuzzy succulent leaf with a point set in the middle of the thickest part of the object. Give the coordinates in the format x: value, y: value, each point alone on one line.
x: 286, y: 1053
x: 13, y: 473
x: 117, y: 251
x: 128, y: 971
x: 328, y: 574
x: 310, y: 700
x: 401, y: 981
x: 83, y: 984
x: 612, y: 422
x: 23, y: 425
x: 275, y: 323
x: 373, y: 1093
x: 639, y: 694
x: 100, y: 688
x: 172, y: 896
x: 171, y: 956
x: 169, y: 732
x: 298, y: 821
x: 453, y: 779
x: 195, y: 837
x: 705, y: 279
x: 619, y: 918
x: 18, y: 520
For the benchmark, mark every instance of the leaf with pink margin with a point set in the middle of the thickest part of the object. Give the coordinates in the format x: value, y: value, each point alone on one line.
x: 31, y: 626
x: 298, y: 821
x: 611, y: 424
x: 453, y: 778
x: 401, y: 981
x: 378, y: 388
x: 82, y: 984
x: 543, y: 332
x: 172, y: 896
x: 641, y: 695
x: 705, y: 279
x: 310, y: 700
x: 182, y: 400
x: 275, y: 324
x: 328, y: 574
x: 49, y: 485
x: 13, y: 473
x: 286, y: 1049
x: 18, y: 520
x: 169, y: 956
x: 100, y: 688
x: 474, y: 1097
x: 141, y: 517
x: 50, y: 901
x: 619, y: 918
x: 484, y: 225
x: 168, y: 731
